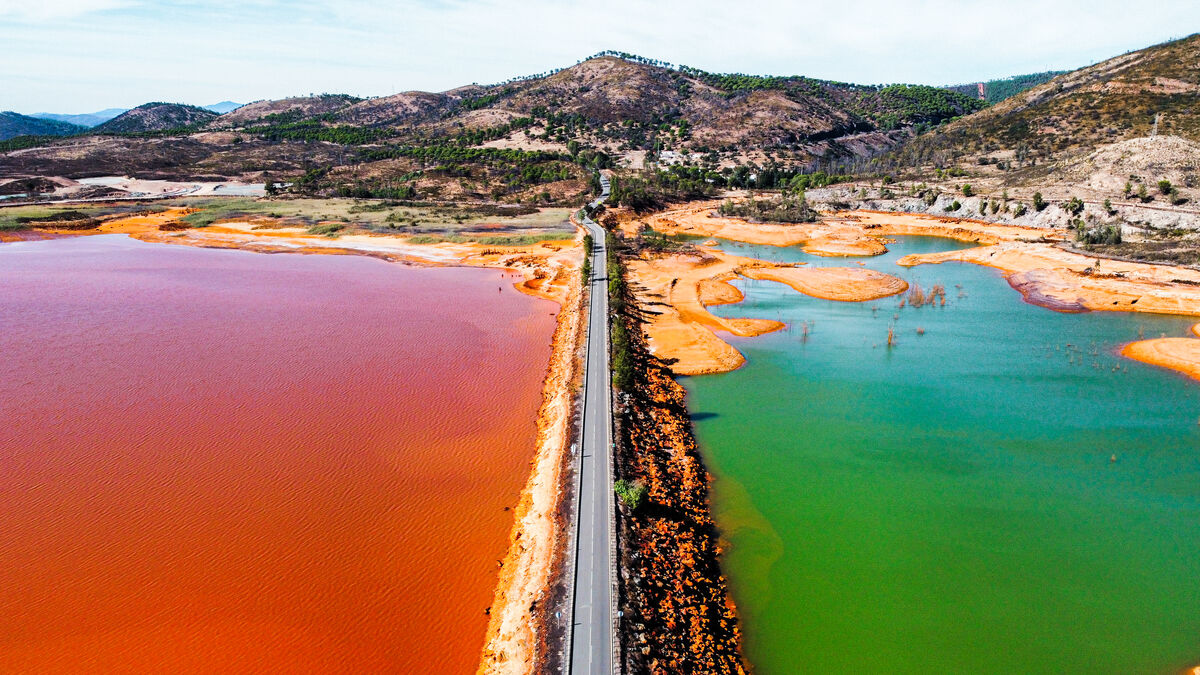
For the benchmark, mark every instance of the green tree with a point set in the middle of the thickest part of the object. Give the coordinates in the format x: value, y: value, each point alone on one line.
x: 1143, y: 194
x: 632, y: 494
x: 1074, y: 206
x: 1164, y: 186
x: 966, y: 190
x: 1038, y: 202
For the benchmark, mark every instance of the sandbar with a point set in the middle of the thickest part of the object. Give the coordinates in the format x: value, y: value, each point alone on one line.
x: 1181, y: 354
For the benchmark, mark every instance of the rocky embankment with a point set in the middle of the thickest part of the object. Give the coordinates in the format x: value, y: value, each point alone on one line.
x: 678, y: 615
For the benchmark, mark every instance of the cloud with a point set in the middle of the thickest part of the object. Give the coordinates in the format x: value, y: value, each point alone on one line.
x: 57, y: 10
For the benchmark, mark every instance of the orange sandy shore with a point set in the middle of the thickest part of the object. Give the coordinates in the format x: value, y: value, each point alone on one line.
x: 848, y: 233
x: 516, y: 638
x: 1049, y: 276
x: 515, y: 641
x: 1180, y: 354
x: 679, y: 288
x: 1030, y: 258
x: 545, y: 266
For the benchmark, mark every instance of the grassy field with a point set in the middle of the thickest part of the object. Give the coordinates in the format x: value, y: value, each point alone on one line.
x: 401, y: 218
x: 424, y: 223
x: 26, y: 217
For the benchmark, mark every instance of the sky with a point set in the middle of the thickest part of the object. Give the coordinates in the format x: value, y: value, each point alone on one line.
x: 76, y: 56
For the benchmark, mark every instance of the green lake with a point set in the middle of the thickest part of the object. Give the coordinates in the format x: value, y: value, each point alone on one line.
x: 1002, y: 494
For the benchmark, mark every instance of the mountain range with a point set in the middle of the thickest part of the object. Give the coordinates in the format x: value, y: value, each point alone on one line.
x: 95, y: 119
x: 636, y: 112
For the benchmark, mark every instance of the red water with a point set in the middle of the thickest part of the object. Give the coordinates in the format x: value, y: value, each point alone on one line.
x: 222, y: 462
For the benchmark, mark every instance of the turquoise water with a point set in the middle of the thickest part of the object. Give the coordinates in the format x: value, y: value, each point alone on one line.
x: 952, y: 504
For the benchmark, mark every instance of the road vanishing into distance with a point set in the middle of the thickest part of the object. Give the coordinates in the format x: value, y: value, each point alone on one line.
x: 592, y: 621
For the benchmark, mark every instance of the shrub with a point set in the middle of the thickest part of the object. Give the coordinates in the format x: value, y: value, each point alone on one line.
x: 1104, y: 234
x: 1164, y: 186
x: 1039, y: 204
x: 1108, y: 207
x: 1074, y: 206
x: 954, y: 206
x: 1019, y: 210
x: 966, y: 190
x: 632, y: 494
x: 1143, y: 194
x: 585, y: 270
x: 785, y: 209
x: 328, y: 229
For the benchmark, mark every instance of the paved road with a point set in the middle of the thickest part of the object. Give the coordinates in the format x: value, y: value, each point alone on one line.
x: 592, y: 606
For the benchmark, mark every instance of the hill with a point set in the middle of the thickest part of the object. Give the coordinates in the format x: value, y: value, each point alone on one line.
x: 1112, y: 101
x: 624, y: 103
x: 83, y: 119
x: 156, y: 117
x: 222, y: 107
x: 14, y: 124
x: 995, y: 91
x: 287, y: 109
x: 628, y: 106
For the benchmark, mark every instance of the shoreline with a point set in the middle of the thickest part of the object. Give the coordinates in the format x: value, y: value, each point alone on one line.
x: 521, y: 612
x: 679, y: 288
x: 678, y: 615
x: 681, y: 337
x: 1051, y: 277
x: 1032, y: 260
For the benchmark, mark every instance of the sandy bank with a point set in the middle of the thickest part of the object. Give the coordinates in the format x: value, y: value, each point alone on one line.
x: 845, y: 284
x: 835, y: 238
x: 876, y: 223
x: 545, y: 266
x: 678, y: 289
x: 1179, y: 354
x: 683, y: 331
x: 517, y: 631
x: 1061, y: 280
x: 847, y: 233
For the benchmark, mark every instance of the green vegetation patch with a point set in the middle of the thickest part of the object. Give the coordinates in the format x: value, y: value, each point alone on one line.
x: 787, y: 208
x: 80, y: 217
x: 486, y: 223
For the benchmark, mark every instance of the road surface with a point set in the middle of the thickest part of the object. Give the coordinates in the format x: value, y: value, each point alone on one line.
x: 592, y: 606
